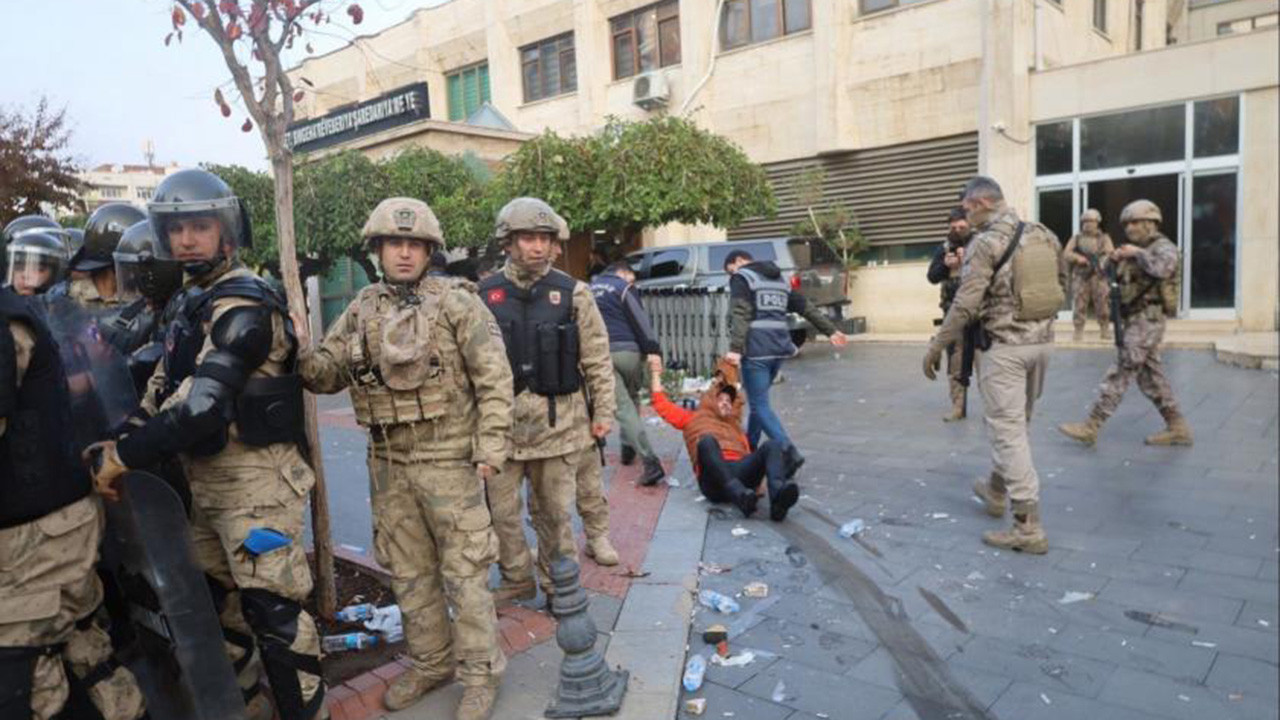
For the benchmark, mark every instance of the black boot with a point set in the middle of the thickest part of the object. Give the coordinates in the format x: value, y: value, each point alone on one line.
x: 653, y: 472
x: 628, y: 455
x: 743, y: 497
x: 794, y: 461
x: 782, y: 496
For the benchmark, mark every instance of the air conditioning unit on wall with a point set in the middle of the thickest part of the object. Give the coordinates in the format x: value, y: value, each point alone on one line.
x: 650, y: 90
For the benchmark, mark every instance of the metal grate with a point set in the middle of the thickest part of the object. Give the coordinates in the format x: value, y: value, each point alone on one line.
x: 898, y: 194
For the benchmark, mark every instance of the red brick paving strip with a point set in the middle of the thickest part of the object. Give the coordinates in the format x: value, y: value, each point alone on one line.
x: 633, y: 516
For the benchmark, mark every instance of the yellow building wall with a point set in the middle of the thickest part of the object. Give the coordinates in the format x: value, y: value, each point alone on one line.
x: 1259, y: 253
x: 894, y: 298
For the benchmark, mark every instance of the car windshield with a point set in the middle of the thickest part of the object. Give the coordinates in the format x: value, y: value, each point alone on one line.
x: 758, y: 250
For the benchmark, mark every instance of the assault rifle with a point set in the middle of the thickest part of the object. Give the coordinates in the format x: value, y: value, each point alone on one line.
x: 973, y: 339
x: 1113, y: 296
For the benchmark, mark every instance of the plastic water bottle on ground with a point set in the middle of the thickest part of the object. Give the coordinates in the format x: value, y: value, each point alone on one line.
x: 356, y: 613
x: 694, y: 671
x: 718, y: 602
x: 851, y: 528
x: 349, y: 641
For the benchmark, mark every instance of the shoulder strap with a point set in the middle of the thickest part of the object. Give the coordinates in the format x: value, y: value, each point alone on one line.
x: 1008, y: 252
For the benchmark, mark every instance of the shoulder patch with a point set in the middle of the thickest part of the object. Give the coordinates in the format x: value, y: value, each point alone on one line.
x: 495, y: 296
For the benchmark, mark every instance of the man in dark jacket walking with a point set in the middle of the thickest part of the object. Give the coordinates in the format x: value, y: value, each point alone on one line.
x: 944, y: 270
x: 631, y: 340
x: 759, y: 340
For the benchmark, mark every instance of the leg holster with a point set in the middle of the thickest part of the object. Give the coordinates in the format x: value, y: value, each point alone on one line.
x: 274, y: 620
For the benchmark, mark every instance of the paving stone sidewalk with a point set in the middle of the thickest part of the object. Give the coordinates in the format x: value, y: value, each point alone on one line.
x: 1158, y: 598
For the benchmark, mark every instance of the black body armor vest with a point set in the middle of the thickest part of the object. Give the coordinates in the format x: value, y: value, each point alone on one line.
x: 540, y: 331
x: 40, y: 471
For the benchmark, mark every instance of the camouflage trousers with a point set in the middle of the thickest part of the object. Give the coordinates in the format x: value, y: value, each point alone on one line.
x: 955, y: 359
x: 1011, y: 381
x: 551, y: 496
x: 1090, y: 289
x: 49, y: 595
x: 1139, y: 360
x: 593, y: 506
x: 432, y: 531
x: 216, y: 536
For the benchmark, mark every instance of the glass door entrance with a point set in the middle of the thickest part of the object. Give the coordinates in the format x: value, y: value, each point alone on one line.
x: 1212, y: 280
x: 1110, y: 196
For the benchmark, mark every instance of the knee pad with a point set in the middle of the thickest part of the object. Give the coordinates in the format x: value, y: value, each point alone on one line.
x: 274, y: 620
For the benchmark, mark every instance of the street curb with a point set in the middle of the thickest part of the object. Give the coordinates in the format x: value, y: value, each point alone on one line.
x: 520, y: 628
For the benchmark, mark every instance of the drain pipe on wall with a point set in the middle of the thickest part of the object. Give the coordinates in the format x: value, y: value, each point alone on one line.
x: 711, y: 63
x: 1037, y: 51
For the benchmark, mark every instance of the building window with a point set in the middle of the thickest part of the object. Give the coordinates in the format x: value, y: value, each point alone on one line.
x: 1247, y: 24
x: 144, y: 193
x: 752, y: 21
x: 1131, y: 138
x: 1100, y: 15
x: 468, y: 90
x: 1216, y: 128
x: 1053, y: 148
x: 111, y: 191
x: 874, y: 6
x: 549, y: 68
x: 646, y: 39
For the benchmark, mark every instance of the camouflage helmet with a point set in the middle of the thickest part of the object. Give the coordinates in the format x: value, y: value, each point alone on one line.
x: 531, y: 215
x: 1091, y: 214
x: 401, y: 217
x: 1140, y: 210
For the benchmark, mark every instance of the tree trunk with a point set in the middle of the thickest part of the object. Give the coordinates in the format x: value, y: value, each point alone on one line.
x: 282, y: 170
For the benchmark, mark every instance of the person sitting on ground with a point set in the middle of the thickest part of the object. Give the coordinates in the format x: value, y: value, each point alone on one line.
x: 726, y: 467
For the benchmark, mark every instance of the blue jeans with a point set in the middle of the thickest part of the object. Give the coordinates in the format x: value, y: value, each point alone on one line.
x: 757, y: 378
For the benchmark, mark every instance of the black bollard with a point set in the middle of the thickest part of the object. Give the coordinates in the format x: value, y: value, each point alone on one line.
x: 587, y: 686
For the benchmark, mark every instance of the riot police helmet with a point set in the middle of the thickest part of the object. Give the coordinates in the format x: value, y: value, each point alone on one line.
x: 192, y: 194
x: 529, y: 215
x: 101, y: 235
x: 75, y: 241
x: 141, y: 272
x: 35, y: 261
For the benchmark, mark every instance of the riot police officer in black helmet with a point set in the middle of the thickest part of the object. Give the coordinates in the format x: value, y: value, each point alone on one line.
x: 101, y: 235
x: 144, y: 283
x: 35, y: 260
x: 232, y: 410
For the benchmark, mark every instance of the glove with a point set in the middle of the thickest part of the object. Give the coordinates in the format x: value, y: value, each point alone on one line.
x: 932, y: 361
x: 105, y: 464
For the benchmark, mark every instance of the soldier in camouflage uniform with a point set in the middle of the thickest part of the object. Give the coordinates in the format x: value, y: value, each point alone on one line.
x: 1013, y: 368
x: 55, y: 656
x: 428, y: 377
x: 1086, y: 251
x: 564, y: 397
x: 1147, y: 273
x: 227, y: 401
x: 944, y: 271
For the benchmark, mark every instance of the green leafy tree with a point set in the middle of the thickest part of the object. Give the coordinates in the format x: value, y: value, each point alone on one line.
x: 452, y: 186
x: 36, y: 167
x: 825, y: 219
x: 633, y: 175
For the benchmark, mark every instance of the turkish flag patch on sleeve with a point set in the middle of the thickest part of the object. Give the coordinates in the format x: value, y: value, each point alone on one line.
x: 496, y: 296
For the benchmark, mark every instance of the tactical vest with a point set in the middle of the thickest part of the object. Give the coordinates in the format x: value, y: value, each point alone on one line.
x: 421, y: 392
x: 769, y: 336
x: 1139, y: 290
x: 268, y: 410
x: 540, y: 330
x: 128, y: 327
x: 39, y: 469
x: 607, y: 289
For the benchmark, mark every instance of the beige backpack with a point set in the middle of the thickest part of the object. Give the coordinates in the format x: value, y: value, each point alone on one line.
x: 1036, y: 289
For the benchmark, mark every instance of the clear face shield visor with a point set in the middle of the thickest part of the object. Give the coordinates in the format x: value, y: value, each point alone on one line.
x: 33, y: 270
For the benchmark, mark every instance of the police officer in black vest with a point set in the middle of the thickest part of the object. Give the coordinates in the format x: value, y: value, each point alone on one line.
x: 632, y: 342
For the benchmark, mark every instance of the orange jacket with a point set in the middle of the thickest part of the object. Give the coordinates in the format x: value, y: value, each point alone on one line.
x: 696, y: 424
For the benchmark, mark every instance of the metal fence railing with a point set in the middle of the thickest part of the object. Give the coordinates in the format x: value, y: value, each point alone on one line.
x: 692, y: 325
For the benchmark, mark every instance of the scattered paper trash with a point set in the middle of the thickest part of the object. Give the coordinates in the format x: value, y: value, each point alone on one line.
x: 1203, y: 644
x: 672, y: 482
x: 939, y: 516
x: 1235, y: 697
x: 739, y: 532
x: 975, y: 575
x: 852, y: 528
x: 1046, y: 699
x: 696, y: 706
x: 1184, y: 698
x: 743, y: 658
x: 707, y: 568
x: 1073, y: 596
x: 756, y: 590
x: 1264, y: 623
x: 779, y: 692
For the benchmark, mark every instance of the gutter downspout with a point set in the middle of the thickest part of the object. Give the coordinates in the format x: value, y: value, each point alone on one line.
x: 1037, y: 51
x: 711, y: 63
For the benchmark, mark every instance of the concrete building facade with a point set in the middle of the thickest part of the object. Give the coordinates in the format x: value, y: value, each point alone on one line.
x: 896, y: 101
x: 121, y: 183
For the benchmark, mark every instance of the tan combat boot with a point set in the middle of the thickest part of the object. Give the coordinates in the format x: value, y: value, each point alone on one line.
x: 1178, y: 431
x: 512, y: 591
x: 477, y: 702
x: 601, y: 550
x: 957, y: 407
x: 1026, y: 535
x: 1105, y: 331
x: 1086, y: 432
x: 413, y: 684
x: 992, y: 494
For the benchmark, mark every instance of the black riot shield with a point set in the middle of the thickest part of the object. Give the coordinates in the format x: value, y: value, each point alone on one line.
x: 182, y: 665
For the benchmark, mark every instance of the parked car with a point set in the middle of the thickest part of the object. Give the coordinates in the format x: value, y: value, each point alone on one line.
x: 808, y: 264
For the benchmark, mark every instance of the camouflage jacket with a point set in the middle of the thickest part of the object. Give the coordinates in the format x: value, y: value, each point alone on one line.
x: 461, y: 398
x: 240, y: 475
x: 532, y: 435
x: 85, y: 293
x: 991, y: 298
x: 1097, y: 245
x: 1141, y: 277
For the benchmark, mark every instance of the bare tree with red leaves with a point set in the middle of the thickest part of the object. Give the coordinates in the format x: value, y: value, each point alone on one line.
x: 35, y: 166
x: 252, y: 35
